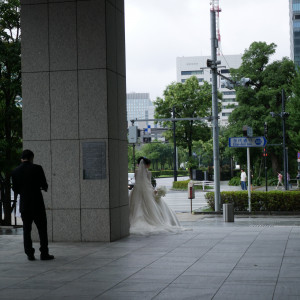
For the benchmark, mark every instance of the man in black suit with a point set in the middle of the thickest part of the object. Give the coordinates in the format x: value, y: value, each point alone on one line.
x: 28, y: 180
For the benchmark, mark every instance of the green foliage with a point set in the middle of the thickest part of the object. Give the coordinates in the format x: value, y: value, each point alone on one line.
x: 182, y: 173
x: 272, y: 181
x: 183, y: 185
x: 234, y: 181
x: 190, y: 100
x: 264, y: 96
x: 258, y: 181
x: 192, y: 163
x: 293, y: 124
x: 171, y: 173
x: 155, y: 174
x: 204, y: 149
x: 10, y: 90
x: 260, y: 201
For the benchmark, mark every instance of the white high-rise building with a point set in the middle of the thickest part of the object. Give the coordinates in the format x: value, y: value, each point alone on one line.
x: 195, y: 66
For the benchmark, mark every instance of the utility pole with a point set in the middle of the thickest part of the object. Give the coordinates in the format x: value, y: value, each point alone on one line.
x: 174, y: 137
x: 213, y: 65
x: 283, y: 116
x: 265, y: 154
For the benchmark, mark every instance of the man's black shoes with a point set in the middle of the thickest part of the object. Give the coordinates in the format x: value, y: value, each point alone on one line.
x: 46, y: 257
x: 31, y: 257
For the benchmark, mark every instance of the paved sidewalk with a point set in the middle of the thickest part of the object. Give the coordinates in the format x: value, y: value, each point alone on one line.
x: 252, y: 258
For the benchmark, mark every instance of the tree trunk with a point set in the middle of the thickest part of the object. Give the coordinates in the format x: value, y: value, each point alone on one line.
x: 7, y: 201
x: 275, y: 164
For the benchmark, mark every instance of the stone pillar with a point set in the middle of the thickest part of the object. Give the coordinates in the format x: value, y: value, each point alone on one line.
x: 74, y: 114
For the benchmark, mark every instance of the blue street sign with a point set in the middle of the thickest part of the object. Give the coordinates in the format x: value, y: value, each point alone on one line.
x: 259, y: 141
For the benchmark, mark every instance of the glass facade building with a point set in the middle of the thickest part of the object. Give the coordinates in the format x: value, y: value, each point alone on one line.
x: 139, y: 106
x: 295, y: 30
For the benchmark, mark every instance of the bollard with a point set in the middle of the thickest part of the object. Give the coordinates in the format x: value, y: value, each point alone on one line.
x: 191, y: 193
x: 228, y: 212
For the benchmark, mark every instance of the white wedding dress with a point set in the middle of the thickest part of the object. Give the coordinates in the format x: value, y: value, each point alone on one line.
x: 147, y: 215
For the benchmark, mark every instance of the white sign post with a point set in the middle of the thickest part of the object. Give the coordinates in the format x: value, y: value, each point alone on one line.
x: 248, y: 142
x: 249, y: 179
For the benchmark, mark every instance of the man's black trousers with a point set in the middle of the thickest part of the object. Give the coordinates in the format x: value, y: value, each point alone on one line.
x: 40, y: 220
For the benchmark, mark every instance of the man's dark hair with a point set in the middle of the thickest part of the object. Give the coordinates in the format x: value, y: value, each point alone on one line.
x: 146, y: 160
x: 27, y: 154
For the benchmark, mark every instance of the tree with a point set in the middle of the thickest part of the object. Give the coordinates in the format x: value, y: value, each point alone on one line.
x: 160, y: 154
x: 293, y: 124
x: 10, y: 90
x: 189, y: 100
x: 264, y: 96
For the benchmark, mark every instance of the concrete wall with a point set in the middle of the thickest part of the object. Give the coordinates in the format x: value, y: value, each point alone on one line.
x: 74, y: 93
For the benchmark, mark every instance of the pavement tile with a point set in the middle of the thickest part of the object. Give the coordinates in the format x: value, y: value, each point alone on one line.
x: 198, y: 281
x: 249, y: 259
x: 63, y: 275
x: 118, y: 295
x: 37, y: 283
x: 290, y: 287
x: 139, y: 286
x: 206, y: 268
x: 51, y: 297
x: 233, y: 257
x: 290, y: 270
x: 248, y: 288
x: 246, y: 275
x: 16, y: 294
x: 78, y: 289
x: 239, y: 296
x: 178, y: 293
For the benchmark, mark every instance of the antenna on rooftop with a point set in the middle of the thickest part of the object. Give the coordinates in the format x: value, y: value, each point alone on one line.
x: 216, y: 8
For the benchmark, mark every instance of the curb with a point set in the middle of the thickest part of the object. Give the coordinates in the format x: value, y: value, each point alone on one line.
x: 261, y: 213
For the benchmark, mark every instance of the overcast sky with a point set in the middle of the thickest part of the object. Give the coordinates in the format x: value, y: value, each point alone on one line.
x: 158, y: 31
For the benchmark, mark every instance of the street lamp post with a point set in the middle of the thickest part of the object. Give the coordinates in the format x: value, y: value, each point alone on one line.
x: 214, y: 70
x: 174, y: 137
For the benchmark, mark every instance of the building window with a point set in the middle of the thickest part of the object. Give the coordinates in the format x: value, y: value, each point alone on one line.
x: 229, y: 100
x: 197, y: 72
x: 228, y: 93
x: 225, y: 114
x: 224, y: 71
x: 296, y: 6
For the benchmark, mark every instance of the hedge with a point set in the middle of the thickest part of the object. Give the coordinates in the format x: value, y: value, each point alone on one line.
x: 260, y: 201
x: 170, y: 173
x: 155, y: 174
x: 258, y: 181
x: 183, y: 185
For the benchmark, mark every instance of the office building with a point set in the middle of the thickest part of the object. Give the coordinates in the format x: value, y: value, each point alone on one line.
x: 139, y: 106
x: 196, y: 66
x: 295, y: 30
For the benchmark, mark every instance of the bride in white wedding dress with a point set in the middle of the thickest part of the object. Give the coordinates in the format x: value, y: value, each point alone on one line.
x: 147, y: 214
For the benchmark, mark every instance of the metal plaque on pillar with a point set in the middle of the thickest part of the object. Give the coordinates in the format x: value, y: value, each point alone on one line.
x: 94, y: 160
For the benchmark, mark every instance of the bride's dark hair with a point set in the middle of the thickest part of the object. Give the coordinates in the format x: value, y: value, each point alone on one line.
x: 146, y: 160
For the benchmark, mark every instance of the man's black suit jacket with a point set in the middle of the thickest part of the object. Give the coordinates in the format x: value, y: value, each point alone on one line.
x: 28, y: 180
